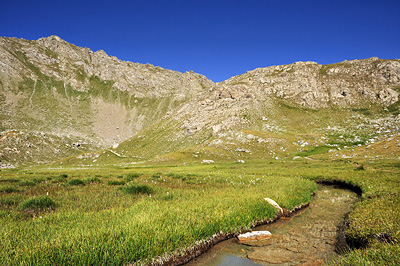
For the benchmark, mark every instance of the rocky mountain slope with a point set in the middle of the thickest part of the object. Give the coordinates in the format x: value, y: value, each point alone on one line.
x: 77, y: 96
x: 55, y: 87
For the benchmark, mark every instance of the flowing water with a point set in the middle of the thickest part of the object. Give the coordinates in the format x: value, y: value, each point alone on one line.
x: 309, y: 237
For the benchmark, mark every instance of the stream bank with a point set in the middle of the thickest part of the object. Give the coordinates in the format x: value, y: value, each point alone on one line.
x: 309, y: 237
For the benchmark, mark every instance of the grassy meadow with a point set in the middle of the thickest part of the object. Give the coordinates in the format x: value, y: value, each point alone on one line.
x: 120, y: 215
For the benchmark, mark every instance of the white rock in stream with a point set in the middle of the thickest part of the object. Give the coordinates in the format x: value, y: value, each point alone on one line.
x: 255, y: 235
x: 273, y: 203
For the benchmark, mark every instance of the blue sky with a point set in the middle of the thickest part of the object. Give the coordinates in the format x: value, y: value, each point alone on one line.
x: 218, y: 39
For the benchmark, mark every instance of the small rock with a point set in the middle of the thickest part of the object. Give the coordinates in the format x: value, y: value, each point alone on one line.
x: 216, y: 129
x: 242, y: 150
x: 207, y: 161
x: 273, y: 203
x: 255, y: 235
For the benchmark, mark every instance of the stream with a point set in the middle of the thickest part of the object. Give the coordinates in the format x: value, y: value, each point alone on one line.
x: 309, y: 237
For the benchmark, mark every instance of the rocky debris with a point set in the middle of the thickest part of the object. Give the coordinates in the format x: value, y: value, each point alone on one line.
x: 6, y: 166
x: 240, y: 161
x: 316, y: 86
x: 388, y: 96
x: 25, y: 147
x: 191, y: 130
x: 207, y: 161
x: 255, y: 235
x: 242, y: 150
x: 216, y: 129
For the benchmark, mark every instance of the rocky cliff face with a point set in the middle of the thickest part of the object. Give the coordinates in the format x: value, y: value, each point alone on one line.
x: 57, y: 88
x: 349, y: 83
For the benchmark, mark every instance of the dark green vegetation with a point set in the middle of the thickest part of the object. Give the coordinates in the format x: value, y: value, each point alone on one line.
x: 76, y: 182
x: 37, y: 203
x: 138, y: 189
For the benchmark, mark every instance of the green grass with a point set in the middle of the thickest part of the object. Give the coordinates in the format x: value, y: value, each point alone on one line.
x: 163, y: 208
x: 8, y: 189
x: 131, y: 176
x: 76, y: 182
x: 155, y: 215
x: 379, y: 254
x: 92, y: 180
x: 138, y: 189
x: 37, y: 203
x: 116, y: 182
x: 314, y: 150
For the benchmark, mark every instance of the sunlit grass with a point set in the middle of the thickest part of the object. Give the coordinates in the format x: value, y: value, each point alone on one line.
x: 165, y: 209
x: 155, y: 210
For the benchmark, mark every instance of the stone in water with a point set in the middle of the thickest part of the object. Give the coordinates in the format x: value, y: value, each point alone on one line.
x: 255, y: 235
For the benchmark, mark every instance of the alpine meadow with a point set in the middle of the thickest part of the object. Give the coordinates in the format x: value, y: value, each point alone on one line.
x: 109, y: 162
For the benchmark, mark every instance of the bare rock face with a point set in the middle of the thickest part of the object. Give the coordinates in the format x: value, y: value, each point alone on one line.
x: 388, y: 96
x: 316, y: 86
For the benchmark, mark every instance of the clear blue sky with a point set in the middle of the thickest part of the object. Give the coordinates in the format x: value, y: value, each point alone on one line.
x: 218, y: 39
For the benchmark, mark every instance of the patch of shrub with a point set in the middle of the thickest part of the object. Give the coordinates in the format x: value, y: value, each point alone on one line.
x: 38, y: 203
x: 9, y: 180
x: 63, y: 175
x: 129, y: 177
x: 173, y: 175
x: 76, y: 182
x: 38, y: 180
x: 26, y: 183
x: 115, y: 182
x: 137, y: 189
x: 157, y: 175
x: 11, y: 200
x: 8, y: 189
x: 59, y: 179
x: 92, y: 180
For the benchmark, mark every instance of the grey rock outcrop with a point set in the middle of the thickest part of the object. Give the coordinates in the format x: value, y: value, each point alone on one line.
x: 317, y: 86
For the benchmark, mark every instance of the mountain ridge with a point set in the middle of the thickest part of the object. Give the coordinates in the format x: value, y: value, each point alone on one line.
x: 55, y: 87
